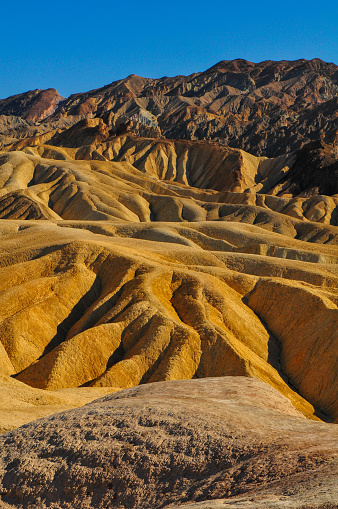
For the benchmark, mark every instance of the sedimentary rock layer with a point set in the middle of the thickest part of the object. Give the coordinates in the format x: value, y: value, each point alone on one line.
x: 134, y: 304
x: 135, y: 179
x: 151, y: 260
x: 127, y: 258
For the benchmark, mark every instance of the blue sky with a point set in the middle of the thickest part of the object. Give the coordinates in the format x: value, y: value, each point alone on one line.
x: 76, y: 46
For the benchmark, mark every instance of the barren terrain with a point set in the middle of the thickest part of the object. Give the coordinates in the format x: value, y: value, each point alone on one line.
x: 268, y: 108
x: 191, y: 283
x: 216, y: 442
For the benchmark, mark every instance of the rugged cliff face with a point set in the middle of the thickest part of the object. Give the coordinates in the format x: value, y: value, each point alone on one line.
x: 269, y: 108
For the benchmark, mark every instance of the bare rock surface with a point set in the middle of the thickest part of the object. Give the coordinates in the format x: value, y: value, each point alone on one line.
x: 268, y: 108
x: 137, y: 260
x: 115, y: 305
x: 145, y: 180
x: 221, y: 442
x: 140, y: 243
x: 33, y: 106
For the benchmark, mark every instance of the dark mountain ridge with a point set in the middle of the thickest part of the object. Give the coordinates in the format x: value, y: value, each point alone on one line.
x: 267, y: 108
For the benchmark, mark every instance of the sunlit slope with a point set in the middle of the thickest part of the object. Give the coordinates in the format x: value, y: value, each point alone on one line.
x: 139, y: 260
x: 48, y: 182
x: 129, y: 306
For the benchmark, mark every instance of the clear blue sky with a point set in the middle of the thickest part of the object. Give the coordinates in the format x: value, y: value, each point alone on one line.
x: 76, y: 46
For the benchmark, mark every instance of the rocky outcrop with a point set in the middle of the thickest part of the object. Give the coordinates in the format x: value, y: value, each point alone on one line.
x: 142, y: 179
x: 262, y: 108
x: 220, y: 442
x: 32, y: 106
x: 84, y: 132
x: 210, y: 165
x: 267, y: 109
x: 314, y: 172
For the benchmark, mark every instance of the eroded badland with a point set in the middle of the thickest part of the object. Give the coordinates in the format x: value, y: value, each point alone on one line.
x: 170, y: 246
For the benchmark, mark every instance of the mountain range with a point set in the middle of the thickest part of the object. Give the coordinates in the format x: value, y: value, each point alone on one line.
x: 267, y: 109
x: 169, y: 283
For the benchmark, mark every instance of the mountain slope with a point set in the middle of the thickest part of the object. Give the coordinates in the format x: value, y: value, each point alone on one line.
x: 131, y: 273
x: 144, y: 253
x: 269, y: 108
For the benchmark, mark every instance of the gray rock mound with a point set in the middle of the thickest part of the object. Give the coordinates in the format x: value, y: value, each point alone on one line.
x: 204, y: 443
